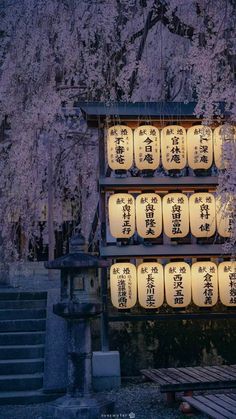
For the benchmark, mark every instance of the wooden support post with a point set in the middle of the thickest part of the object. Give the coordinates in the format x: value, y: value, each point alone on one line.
x: 104, y: 316
x: 188, y: 393
x: 170, y: 397
x: 102, y: 216
x: 51, y: 235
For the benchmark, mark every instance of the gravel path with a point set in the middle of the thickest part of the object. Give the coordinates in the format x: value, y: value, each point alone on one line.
x: 143, y: 400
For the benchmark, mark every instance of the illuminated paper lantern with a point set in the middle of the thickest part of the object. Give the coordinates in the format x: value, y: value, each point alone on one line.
x: 120, y: 147
x: 224, y: 217
x: 63, y: 211
x: 123, y: 285
x: 227, y: 283
x: 178, y: 284
x: 222, y: 134
x: 204, y: 284
x: 121, y: 210
x: 42, y: 208
x: 175, y: 215
x: 202, y: 214
x: 149, y: 215
x: 218, y: 144
x: 147, y: 147
x: 13, y: 216
x: 173, y: 147
x: 199, y: 147
x: 150, y: 284
x: 67, y: 213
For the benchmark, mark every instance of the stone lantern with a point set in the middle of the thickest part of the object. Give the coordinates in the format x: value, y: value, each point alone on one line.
x: 79, y: 304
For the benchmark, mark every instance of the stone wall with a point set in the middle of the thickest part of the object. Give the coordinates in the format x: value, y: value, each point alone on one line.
x: 173, y: 343
x: 32, y: 276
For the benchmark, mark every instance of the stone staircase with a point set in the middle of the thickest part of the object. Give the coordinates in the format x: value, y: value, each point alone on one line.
x: 22, y: 338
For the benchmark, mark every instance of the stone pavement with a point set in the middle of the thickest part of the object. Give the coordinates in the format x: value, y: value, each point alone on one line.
x: 132, y: 401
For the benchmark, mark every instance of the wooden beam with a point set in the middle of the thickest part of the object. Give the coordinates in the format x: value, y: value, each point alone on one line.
x: 128, y: 317
x: 193, y: 182
x: 171, y: 251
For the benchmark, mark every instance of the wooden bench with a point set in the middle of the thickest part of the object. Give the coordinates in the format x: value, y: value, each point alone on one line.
x: 188, y: 379
x: 217, y: 406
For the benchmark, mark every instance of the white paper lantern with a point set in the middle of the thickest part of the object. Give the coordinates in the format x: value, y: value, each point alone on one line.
x: 121, y: 212
x: 123, y: 285
x: 204, y: 284
x: 42, y: 210
x: 150, y: 285
x: 175, y: 215
x: 218, y: 144
x: 120, y: 147
x: 202, y: 214
x: 67, y: 211
x: 224, y: 217
x: 146, y: 147
x: 227, y: 283
x: 199, y: 147
x: 222, y: 134
x: 173, y: 147
x: 13, y: 216
x: 149, y: 215
x: 178, y: 284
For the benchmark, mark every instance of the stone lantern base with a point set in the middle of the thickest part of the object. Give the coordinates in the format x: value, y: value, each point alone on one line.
x: 82, y: 407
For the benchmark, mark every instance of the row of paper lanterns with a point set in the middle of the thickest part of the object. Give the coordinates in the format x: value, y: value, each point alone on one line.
x: 175, y: 146
x: 201, y: 214
x: 61, y: 213
x: 177, y: 282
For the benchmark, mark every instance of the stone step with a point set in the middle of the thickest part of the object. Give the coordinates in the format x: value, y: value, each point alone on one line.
x: 20, y: 382
x: 21, y: 366
x: 22, y: 314
x: 22, y: 325
x: 23, y: 338
x: 22, y: 304
x: 21, y: 351
x: 18, y: 295
x: 26, y: 397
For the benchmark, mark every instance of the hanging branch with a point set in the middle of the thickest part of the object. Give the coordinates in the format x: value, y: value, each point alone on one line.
x: 174, y: 24
x: 140, y: 52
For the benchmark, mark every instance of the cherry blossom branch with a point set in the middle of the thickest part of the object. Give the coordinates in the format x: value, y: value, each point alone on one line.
x: 174, y: 24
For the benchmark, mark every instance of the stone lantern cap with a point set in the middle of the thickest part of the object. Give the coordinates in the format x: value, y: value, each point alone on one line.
x: 77, y: 257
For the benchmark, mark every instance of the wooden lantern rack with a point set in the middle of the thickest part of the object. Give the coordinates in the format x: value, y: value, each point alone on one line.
x: 101, y: 116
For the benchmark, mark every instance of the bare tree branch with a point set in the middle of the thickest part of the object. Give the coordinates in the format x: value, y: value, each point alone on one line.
x: 157, y: 14
x: 140, y: 52
x: 174, y: 24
